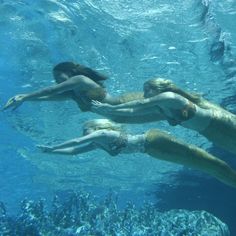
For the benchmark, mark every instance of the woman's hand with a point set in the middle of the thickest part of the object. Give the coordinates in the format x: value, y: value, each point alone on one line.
x: 15, y: 101
x: 45, y: 148
x: 101, y: 108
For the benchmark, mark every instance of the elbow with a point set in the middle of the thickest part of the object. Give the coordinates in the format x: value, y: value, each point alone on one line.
x: 73, y: 151
x: 129, y: 112
x: 79, y: 79
x: 76, y: 142
x: 49, y: 91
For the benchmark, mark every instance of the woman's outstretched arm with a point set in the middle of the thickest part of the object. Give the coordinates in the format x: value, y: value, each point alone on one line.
x: 47, y: 92
x: 74, y: 150
x: 95, y: 136
x: 146, y: 106
x: 110, y: 110
x: 168, y: 98
x: 144, y: 102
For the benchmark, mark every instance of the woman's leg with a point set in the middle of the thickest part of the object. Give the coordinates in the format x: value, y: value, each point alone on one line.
x: 165, y: 147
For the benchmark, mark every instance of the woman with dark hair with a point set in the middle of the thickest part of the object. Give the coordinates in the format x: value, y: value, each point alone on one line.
x: 86, y: 83
x: 112, y: 138
x: 74, y: 81
x: 81, y: 84
x: 164, y: 99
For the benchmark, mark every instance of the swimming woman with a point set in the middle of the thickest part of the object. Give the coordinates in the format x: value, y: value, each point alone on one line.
x: 109, y: 136
x: 81, y: 84
x: 179, y: 107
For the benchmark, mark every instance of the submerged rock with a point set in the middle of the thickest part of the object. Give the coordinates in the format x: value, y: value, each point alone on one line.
x: 81, y: 214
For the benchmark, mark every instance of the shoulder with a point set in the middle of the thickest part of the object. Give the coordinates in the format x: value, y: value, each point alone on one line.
x: 78, y: 77
x: 173, y: 97
x: 107, y: 133
x: 167, y: 97
x: 170, y: 95
x: 169, y: 100
x: 163, y: 96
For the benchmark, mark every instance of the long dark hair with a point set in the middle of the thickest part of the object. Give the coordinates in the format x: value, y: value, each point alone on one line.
x: 72, y: 69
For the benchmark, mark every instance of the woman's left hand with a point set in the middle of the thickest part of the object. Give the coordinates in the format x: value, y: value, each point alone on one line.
x: 15, y: 101
x: 45, y: 148
x: 102, y: 108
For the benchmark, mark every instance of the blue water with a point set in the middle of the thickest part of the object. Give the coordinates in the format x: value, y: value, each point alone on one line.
x: 191, y: 42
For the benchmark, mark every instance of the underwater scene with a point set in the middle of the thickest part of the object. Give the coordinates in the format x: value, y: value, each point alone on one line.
x: 118, y: 118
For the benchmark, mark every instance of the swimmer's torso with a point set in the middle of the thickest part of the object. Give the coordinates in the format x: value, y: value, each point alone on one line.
x: 116, y: 142
x: 180, y: 111
x: 200, y: 121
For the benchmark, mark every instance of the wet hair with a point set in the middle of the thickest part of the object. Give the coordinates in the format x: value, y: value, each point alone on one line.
x: 161, y: 85
x: 72, y: 69
x: 99, y: 124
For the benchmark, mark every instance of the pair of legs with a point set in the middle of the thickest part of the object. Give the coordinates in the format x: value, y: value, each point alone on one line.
x: 165, y: 147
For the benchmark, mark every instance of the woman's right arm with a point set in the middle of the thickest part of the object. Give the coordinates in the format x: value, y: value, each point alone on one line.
x: 73, y: 142
x: 44, y: 94
x: 145, y: 106
x: 96, y: 136
x: 116, y: 110
x: 74, y: 150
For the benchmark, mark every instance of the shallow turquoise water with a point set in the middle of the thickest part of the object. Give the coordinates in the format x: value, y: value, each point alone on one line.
x: 190, y: 42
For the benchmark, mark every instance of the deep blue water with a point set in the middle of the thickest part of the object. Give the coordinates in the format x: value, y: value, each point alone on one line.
x: 192, y: 42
